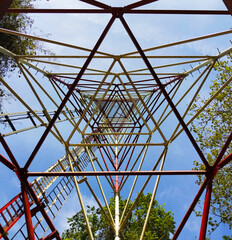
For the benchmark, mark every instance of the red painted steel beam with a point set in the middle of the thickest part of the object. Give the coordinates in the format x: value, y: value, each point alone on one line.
x: 4, y: 5
x: 190, y: 210
x: 179, y: 12
x: 3, y: 233
x: 71, y: 89
x: 228, y: 4
x: 135, y: 11
x: 162, y: 88
x: 50, y: 236
x: 205, y: 214
x: 105, y: 164
x: 9, y: 153
x: 96, y: 4
x: 223, y: 150
x: 42, y: 210
x: 27, y: 212
x: 225, y: 161
x: 106, y: 173
x: 139, y: 4
x: 7, y: 163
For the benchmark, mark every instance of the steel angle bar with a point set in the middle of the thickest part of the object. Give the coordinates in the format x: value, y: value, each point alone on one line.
x: 9, y: 152
x: 125, y: 153
x: 160, y: 121
x: 228, y: 4
x: 168, y: 65
x: 42, y: 210
x: 26, y: 105
x: 46, y: 93
x: 123, y: 221
x: 208, y: 62
x: 113, y: 173
x: 207, y: 71
x: 64, y: 65
x: 100, y: 186
x: 144, y: 151
x: 132, y: 100
x: 12, y: 55
x: 79, y: 195
x: 102, y: 113
x: 223, y: 150
x: 190, y: 210
x: 205, y: 213
x: 71, y: 89
x: 204, y: 106
x: 30, y: 128
x: 125, y: 11
x: 182, y: 42
x: 5, y: 4
x: 177, y: 11
x: 153, y: 197
x: 7, y: 163
x: 224, y: 161
x: 171, y: 56
x: 178, y: 116
x: 175, y: 87
x: 97, y: 4
x: 114, y: 144
x: 57, y: 10
x: 138, y: 4
x: 144, y: 105
x: 93, y: 97
x: 49, y: 41
x: 27, y: 212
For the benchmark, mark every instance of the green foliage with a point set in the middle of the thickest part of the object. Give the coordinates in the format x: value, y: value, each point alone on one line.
x: 227, y: 237
x: 16, y: 44
x: 212, y: 128
x: 160, y: 224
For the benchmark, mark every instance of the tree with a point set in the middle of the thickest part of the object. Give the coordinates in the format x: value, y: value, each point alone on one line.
x: 160, y: 224
x: 212, y: 128
x: 18, y: 45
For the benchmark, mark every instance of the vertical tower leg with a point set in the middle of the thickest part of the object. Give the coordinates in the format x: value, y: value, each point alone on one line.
x: 27, y: 211
x: 117, y: 216
x: 116, y: 196
x: 206, y: 211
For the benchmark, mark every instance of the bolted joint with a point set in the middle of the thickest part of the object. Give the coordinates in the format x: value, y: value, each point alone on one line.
x: 22, y: 172
x: 117, y: 12
x: 210, y: 173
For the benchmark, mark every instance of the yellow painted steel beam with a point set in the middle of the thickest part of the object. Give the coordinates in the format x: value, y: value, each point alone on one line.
x: 152, y: 198
x: 204, y: 106
x: 114, y: 144
x: 11, y: 32
x: 183, y: 42
x: 123, y: 221
x: 160, y: 121
x: 144, y: 150
x: 142, y: 103
x: 116, y: 133
x: 89, y: 104
x: 27, y: 106
x: 65, y: 65
x: 209, y: 69
x: 100, y: 186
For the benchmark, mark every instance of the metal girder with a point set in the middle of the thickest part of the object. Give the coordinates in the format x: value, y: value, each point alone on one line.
x: 228, y: 4
x: 4, y: 5
x: 119, y: 112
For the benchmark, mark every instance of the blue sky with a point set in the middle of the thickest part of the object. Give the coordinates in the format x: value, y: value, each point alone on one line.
x: 84, y: 30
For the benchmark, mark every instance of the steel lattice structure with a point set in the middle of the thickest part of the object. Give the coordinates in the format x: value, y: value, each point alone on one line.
x: 113, y: 121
